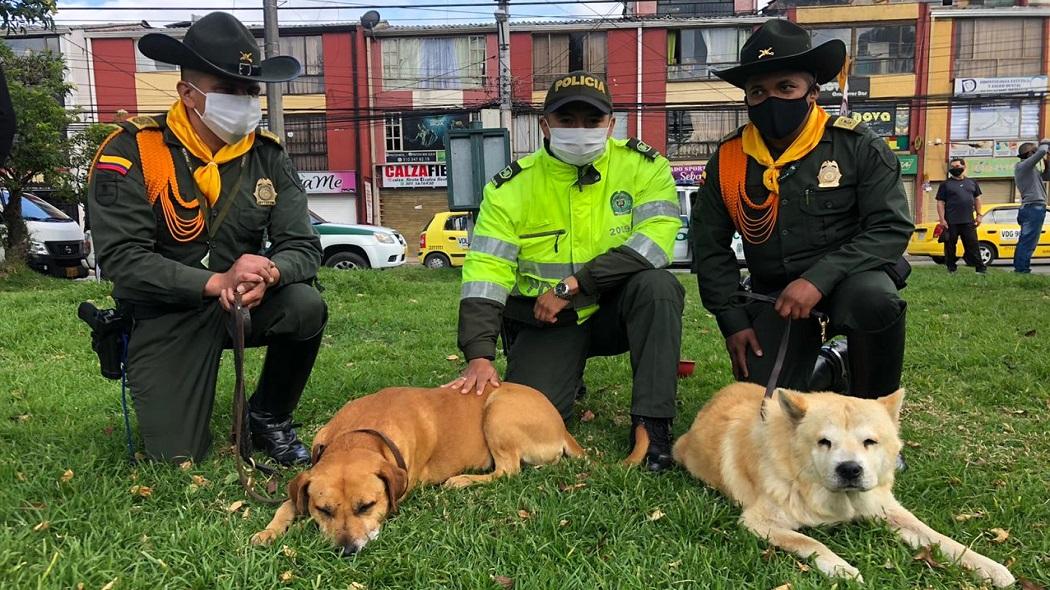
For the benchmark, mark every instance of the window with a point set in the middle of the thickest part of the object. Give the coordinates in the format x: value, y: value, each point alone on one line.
x: 145, y: 64
x: 526, y: 136
x: 694, y: 8
x: 307, y: 141
x: 456, y: 223
x: 393, y: 134
x: 1003, y: 216
x: 309, y: 51
x: 697, y: 53
x: 695, y: 134
x: 998, y: 47
x: 554, y: 56
x: 27, y: 45
x: 620, y: 130
x: 434, y: 63
x: 1004, y: 119
x: 888, y: 49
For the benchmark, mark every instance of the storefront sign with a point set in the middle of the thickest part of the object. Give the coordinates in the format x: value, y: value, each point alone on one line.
x: 971, y: 149
x: 881, y: 119
x: 421, y: 157
x: 688, y: 174
x: 334, y: 181
x: 858, y: 89
x: 428, y: 132
x: 991, y: 86
x: 415, y: 176
x: 909, y: 164
x: 990, y: 167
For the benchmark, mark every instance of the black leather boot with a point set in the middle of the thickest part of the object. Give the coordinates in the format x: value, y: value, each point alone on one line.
x: 284, y: 375
x: 658, y: 456
x: 876, y: 360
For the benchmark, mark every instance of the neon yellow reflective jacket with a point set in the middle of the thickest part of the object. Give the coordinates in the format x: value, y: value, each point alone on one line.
x: 543, y: 220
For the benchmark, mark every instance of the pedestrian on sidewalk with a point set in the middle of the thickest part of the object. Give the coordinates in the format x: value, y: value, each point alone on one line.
x: 1032, y: 214
x: 959, y: 212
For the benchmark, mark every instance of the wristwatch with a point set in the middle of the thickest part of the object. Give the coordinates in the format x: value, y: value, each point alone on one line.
x: 561, y: 290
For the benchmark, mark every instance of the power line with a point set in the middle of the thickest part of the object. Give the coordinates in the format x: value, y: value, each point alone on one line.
x: 345, y: 6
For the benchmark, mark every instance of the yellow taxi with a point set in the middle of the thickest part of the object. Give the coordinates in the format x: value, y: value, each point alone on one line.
x: 997, y: 237
x: 443, y: 241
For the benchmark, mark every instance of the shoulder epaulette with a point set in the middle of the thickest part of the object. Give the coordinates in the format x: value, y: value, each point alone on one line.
x: 847, y: 123
x: 270, y: 135
x: 140, y: 123
x: 732, y: 134
x: 643, y: 148
x: 506, y: 174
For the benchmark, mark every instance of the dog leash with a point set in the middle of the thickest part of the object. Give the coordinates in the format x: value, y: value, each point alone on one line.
x: 778, y: 364
x: 240, y: 326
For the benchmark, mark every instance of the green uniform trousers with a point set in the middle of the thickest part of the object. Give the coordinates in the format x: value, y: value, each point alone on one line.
x: 861, y: 306
x: 173, y: 361
x: 644, y: 317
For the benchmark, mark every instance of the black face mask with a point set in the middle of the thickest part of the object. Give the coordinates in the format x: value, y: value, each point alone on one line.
x: 956, y: 171
x: 1025, y: 156
x: 777, y: 118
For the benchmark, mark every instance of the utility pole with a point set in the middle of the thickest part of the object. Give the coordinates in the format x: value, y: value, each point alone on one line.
x: 274, y: 91
x: 503, y: 34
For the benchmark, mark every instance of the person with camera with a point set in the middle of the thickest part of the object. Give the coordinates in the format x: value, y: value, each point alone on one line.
x: 192, y: 210
x: 1031, y: 216
x: 819, y: 203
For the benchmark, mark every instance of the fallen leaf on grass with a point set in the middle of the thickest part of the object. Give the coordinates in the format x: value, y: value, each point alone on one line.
x: 43, y: 526
x: 925, y: 555
x: 235, y: 506
x: 656, y: 515
x: 571, y: 488
x: 563, y: 522
x: 246, y: 512
x: 287, y: 576
x: 20, y: 476
x: 21, y: 418
x: 967, y: 516
x: 587, y: 416
x: 524, y: 514
x: 67, y: 476
x: 200, y: 480
x: 783, y: 587
x: 141, y: 491
x: 452, y: 357
x: 186, y: 465
x: 1029, y: 585
x: 801, y: 567
x: 503, y: 581
x: 911, y: 444
x: 110, y: 585
x: 675, y: 564
x: 288, y: 551
x: 357, y: 586
x: 1001, y: 535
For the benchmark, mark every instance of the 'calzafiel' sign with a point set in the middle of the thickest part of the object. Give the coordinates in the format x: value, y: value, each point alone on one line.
x: 333, y: 181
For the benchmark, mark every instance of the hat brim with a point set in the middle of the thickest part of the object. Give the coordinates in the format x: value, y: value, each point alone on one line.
x: 170, y: 50
x: 594, y: 102
x: 823, y: 61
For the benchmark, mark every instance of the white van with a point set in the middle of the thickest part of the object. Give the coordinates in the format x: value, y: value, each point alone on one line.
x: 683, y: 255
x: 56, y: 242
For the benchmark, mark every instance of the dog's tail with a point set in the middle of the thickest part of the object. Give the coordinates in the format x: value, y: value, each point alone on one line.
x: 572, y: 449
x: 641, y: 445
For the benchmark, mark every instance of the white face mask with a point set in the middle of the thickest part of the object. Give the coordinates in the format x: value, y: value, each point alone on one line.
x: 230, y: 116
x: 578, y: 146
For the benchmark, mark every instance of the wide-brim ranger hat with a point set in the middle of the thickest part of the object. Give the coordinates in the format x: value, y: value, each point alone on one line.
x: 578, y: 86
x: 780, y: 45
x: 220, y: 44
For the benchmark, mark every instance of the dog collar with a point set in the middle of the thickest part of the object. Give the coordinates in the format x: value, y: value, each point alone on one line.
x: 398, y: 457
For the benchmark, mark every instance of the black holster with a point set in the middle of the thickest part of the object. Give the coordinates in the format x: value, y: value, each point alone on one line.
x: 110, y: 330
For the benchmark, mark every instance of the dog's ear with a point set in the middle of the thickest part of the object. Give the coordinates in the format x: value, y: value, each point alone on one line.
x: 793, y: 404
x: 396, y: 481
x: 299, y: 492
x: 893, y: 403
x: 316, y: 452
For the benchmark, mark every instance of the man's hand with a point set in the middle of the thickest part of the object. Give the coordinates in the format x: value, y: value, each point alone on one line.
x: 250, y: 275
x: 479, y: 373
x: 977, y: 221
x: 797, y: 300
x: 737, y: 345
x: 547, y: 307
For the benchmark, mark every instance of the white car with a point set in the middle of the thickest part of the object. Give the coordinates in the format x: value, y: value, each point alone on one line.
x: 57, y: 245
x: 683, y: 250
x: 349, y: 246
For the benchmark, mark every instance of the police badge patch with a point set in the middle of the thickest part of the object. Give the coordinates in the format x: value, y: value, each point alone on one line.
x: 265, y: 193
x: 621, y: 203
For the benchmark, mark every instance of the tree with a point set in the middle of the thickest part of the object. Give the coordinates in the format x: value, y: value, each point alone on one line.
x: 42, y: 150
x: 19, y: 14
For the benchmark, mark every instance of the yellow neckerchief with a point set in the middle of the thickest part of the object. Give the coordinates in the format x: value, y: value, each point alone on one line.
x: 755, y: 146
x: 207, y: 176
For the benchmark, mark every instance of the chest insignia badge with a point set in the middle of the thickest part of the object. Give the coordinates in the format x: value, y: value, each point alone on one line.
x: 266, y: 194
x: 829, y: 175
x: 621, y: 203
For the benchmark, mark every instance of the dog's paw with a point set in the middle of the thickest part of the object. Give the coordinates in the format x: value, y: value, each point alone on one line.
x: 263, y: 537
x: 836, y: 567
x: 998, y: 575
x: 458, y: 482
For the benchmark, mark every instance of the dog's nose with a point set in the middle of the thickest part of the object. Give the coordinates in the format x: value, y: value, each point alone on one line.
x: 849, y: 470
x: 350, y: 549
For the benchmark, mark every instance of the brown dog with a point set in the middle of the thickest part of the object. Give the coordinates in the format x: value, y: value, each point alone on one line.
x: 378, y: 447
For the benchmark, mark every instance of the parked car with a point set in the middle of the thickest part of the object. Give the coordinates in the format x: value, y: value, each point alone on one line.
x: 349, y: 246
x: 996, y: 237
x: 683, y: 250
x: 444, y: 241
x: 56, y: 242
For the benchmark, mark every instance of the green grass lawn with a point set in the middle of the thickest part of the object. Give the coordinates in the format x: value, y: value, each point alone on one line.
x: 976, y: 426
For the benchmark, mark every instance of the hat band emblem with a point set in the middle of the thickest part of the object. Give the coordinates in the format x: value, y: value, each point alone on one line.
x: 767, y: 52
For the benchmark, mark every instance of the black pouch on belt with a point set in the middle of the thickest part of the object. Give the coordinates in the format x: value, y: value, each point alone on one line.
x: 109, y: 333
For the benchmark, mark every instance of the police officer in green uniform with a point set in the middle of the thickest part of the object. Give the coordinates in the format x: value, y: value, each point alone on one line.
x: 819, y: 203
x: 190, y: 208
x: 568, y: 252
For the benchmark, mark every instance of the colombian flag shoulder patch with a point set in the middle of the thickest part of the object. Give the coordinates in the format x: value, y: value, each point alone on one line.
x: 114, y: 164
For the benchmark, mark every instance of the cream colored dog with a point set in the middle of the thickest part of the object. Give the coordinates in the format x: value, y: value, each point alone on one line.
x: 356, y: 480
x: 816, y: 459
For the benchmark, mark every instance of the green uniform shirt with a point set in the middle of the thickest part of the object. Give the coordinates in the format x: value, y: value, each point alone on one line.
x: 543, y: 220
x: 148, y: 266
x: 856, y: 219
